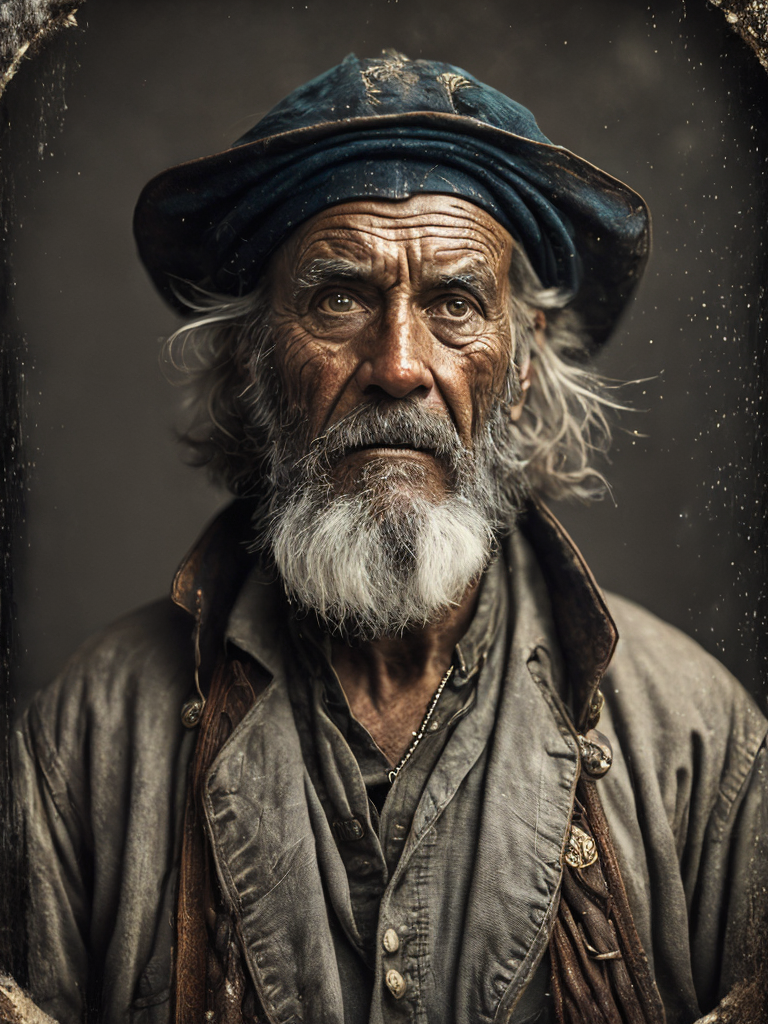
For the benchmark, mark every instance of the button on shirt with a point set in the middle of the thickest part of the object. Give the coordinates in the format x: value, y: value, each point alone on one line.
x: 421, y: 918
x: 371, y: 817
x: 101, y: 768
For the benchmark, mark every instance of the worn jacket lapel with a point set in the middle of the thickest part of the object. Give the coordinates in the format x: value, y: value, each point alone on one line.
x: 261, y: 829
x: 264, y: 825
x: 527, y: 799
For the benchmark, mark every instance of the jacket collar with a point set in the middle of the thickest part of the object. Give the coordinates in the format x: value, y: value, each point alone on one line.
x: 213, y: 572
x: 585, y: 629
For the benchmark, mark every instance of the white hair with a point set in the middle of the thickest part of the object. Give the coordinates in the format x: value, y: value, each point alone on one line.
x: 383, y: 555
x: 225, y: 357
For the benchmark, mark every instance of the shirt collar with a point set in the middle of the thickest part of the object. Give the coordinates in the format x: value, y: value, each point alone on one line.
x: 210, y: 586
x: 320, y: 692
x: 586, y: 633
x: 472, y: 650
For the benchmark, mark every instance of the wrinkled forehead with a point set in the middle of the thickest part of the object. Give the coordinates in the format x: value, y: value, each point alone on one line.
x: 424, y: 235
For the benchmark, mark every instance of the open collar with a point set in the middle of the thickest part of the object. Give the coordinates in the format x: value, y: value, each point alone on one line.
x: 503, y: 784
x: 213, y: 573
x: 585, y: 629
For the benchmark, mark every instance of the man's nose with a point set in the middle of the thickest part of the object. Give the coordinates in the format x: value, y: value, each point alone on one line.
x: 395, y: 357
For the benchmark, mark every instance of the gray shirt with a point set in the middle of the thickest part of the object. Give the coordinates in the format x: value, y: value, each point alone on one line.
x: 349, y: 774
x: 395, y: 915
x: 370, y: 815
x: 101, y: 772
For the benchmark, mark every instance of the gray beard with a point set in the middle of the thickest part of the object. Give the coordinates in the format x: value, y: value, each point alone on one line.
x: 382, y: 557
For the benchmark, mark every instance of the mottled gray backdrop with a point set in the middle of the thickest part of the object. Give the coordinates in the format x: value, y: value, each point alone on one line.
x: 663, y: 97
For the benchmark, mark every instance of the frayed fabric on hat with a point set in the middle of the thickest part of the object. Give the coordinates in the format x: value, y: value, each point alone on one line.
x: 389, y: 129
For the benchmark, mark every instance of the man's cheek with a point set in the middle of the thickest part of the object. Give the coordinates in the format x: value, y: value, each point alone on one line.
x: 486, y: 374
x: 300, y: 363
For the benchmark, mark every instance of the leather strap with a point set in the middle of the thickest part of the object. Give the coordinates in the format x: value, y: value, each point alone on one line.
x: 201, y: 976
x: 600, y: 973
x: 191, y: 935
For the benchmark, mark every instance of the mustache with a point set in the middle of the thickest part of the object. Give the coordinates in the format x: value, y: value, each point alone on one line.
x: 407, y: 424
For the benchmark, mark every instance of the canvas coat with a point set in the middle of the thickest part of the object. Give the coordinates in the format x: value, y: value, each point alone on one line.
x: 102, y: 763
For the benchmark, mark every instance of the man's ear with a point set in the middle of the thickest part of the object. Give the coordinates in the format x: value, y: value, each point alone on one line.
x: 524, y: 369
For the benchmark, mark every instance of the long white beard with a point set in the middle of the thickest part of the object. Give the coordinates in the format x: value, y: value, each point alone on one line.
x: 384, y: 557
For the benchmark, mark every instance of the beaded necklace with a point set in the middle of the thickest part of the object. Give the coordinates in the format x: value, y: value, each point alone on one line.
x: 417, y: 736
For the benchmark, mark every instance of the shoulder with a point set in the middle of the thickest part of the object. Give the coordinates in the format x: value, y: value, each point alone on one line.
x: 100, y: 769
x: 128, y: 680
x: 668, y: 698
x: 671, y: 668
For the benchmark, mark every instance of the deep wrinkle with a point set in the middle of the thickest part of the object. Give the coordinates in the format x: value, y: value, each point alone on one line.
x: 383, y: 301
x: 384, y: 253
x: 478, y: 281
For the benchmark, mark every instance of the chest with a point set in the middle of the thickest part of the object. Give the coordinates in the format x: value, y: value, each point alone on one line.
x: 394, y: 725
x: 459, y: 924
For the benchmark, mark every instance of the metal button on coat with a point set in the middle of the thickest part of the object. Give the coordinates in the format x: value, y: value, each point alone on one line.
x: 348, y: 831
x: 191, y: 713
x: 596, y: 753
x: 391, y: 941
x: 396, y: 984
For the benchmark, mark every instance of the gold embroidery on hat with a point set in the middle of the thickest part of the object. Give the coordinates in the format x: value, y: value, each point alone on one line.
x: 453, y: 82
x: 391, y: 65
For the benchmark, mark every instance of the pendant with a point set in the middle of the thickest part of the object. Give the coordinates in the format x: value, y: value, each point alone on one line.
x: 582, y: 849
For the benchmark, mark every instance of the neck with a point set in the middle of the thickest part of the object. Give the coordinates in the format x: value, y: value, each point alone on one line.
x: 389, y: 682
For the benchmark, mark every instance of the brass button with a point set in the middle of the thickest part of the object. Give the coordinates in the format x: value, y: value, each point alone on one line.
x: 191, y: 713
x: 391, y: 941
x: 396, y: 984
x: 582, y: 849
x: 596, y: 753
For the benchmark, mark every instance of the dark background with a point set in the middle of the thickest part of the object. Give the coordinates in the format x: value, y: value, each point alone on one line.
x: 664, y: 97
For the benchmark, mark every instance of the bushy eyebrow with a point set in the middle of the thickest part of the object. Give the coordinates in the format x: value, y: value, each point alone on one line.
x: 480, y: 281
x: 320, y: 271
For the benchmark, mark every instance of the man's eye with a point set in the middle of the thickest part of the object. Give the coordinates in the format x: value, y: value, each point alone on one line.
x: 457, y: 309
x: 338, y: 302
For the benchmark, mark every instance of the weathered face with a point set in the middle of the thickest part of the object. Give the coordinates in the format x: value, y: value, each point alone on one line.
x: 380, y: 301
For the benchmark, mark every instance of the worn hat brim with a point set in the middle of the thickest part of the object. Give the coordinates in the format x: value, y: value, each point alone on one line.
x: 212, y: 223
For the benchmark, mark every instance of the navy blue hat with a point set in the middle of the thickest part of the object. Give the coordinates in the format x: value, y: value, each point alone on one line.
x: 390, y: 128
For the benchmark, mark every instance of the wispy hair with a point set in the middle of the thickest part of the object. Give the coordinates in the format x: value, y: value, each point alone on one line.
x: 225, y: 355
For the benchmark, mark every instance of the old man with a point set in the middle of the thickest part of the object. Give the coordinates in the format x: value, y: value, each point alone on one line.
x: 352, y: 771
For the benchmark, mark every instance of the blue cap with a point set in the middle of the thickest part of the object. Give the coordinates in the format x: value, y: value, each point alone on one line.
x: 391, y: 128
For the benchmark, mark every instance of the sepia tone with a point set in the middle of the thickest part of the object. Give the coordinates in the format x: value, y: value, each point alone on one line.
x: 733, y: 533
